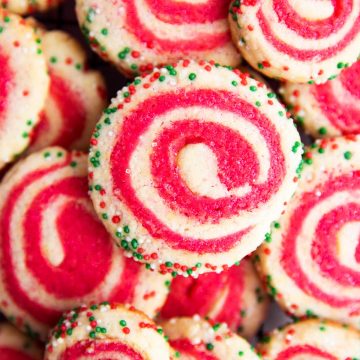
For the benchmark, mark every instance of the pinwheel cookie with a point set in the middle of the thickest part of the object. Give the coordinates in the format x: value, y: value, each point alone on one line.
x: 55, y: 253
x: 189, y: 165
x: 16, y: 346
x: 194, y: 338
x: 76, y: 96
x: 23, y: 84
x: 311, y: 339
x: 235, y: 297
x: 329, y: 109
x: 135, y: 35
x: 24, y: 7
x: 310, y: 261
x: 299, y: 41
x: 107, y: 332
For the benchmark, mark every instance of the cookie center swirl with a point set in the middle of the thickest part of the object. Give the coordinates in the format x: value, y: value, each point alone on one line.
x: 164, y: 143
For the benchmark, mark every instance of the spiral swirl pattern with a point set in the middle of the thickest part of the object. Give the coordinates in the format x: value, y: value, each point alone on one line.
x: 107, y: 331
x: 23, y: 85
x: 311, y: 262
x: 288, y: 39
x: 76, y: 96
x: 49, y: 236
x: 144, y: 33
x: 234, y: 297
x: 329, y: 109
x: 191, y: 167
x: 311, y: 339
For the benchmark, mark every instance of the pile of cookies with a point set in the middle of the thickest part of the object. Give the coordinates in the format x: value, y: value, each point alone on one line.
x: 158, y: 225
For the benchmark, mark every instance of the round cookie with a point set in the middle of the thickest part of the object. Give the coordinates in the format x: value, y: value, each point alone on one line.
x: 235, y: 297
x: 190, y: 164
x: 311, y: 339
x: 23, y: 84
x: 299, y: 41
x: 107, y: 331
x: 311, y: 260
x: 16, y: 346
x: 76, y: 96
x: 24, y: 7
x: 196, y: 339
x: 330, y: 109
x: 54, y: 251
x: 137, y: 35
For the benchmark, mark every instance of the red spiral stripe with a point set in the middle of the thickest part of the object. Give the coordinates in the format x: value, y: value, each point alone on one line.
x: 196, y: 339
x: 72, y: 112
x: 315, y: 247
x: 317, y: 44
x: 174, y: 12
x: 329, y: 109
x: 106, y: 331
x: 166, y: 175
x: 305, y: 339
x: 108, y: 350
x: 244, y: 158
x: 61, y: 283
x: 234, y: 297
x: 325, y: 240
x: 304, y: 350
x: 147, y: 33
x: 310, y: 29
x: 5, y: 79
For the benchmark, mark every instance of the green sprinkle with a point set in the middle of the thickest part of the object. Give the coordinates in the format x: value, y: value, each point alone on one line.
x: 347, y: 155
x: 104, y: 31
x: 162, y: 78
x: 209, y: 346
x: 234, y: 83
x: 322, y: 131
x: 216, y: 326
x: 192, y: 76
x: 253, y: 88
x: 53, y: 60
x: 122, y: 322
x: 340, y: 65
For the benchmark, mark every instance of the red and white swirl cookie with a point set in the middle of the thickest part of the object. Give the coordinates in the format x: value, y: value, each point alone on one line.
x: 137, y: 35
x: 54, y: 251
x: 23, y: 85
x: 107, y: 331
x: 311, y: 339
x: 300, y: 41
x: 16, y: 346
x: 235, y: 297
x: 28, y: 6
x: 196, y: 339
x: 190, y: 165
x: 76, y: 96
x: 311, y: 260
x: 329, y: 109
